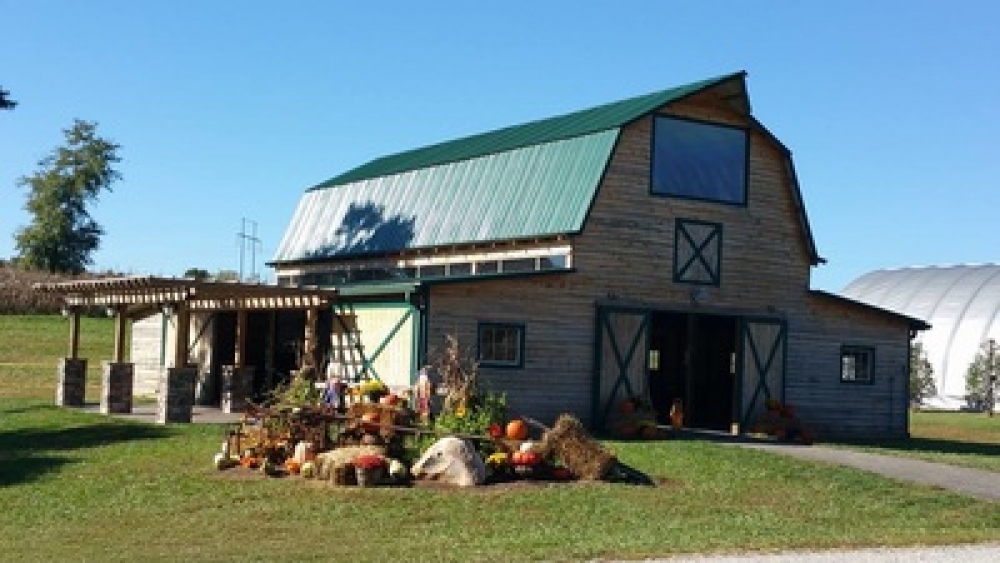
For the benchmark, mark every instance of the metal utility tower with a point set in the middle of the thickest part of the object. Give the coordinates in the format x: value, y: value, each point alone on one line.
x: 248, y: 239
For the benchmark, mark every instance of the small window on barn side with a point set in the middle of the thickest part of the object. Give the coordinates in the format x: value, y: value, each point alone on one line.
x: 501, y: 345
x: 856, y: 364
x: 699, y: 160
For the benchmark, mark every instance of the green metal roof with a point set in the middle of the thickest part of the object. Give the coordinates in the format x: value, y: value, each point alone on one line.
x: 532, y: 191
x: 600, y: 118
x: 528, y: 181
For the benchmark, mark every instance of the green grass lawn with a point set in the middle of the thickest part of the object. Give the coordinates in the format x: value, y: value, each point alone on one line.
x: 77, y: 486
x: 958, y: 438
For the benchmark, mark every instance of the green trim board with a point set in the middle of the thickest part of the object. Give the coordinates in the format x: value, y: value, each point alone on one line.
x: 697, y: 252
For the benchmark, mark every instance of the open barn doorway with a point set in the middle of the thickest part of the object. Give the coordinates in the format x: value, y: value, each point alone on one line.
x: 692, y: 357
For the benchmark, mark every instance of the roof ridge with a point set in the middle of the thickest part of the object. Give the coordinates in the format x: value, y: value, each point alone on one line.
x: 577, y: 123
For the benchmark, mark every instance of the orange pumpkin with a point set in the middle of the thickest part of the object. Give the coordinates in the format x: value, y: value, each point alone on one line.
x: 293, y: 466
x: 517, y: 429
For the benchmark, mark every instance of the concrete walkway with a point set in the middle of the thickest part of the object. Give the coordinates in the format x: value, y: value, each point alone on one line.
x: 976, y: 483
x: 953, y: 554
x: 147, y: 413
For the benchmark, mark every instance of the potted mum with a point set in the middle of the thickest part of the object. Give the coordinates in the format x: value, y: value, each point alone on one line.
x: 369, y: 469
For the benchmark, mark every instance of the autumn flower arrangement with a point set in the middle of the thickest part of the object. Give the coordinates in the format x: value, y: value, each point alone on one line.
x: 369, y: 461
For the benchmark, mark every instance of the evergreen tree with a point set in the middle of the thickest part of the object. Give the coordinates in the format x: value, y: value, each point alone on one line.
x: 921, y: 375
x: 977, y: 378
x: 62, y: 235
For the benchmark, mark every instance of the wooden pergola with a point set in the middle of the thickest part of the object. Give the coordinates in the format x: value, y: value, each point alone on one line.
x: 133, y: 297
x: 128, y: 298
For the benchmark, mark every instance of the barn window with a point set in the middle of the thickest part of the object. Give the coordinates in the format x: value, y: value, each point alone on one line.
x: 856, y: 363
x: 698, y: 160
x: 501, y: 345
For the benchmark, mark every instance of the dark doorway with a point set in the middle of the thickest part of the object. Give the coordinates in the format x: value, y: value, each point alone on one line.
x: 223, y: 349
x: 692, y: 358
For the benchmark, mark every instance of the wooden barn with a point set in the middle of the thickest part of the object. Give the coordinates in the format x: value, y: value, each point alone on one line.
x: 656, y: 247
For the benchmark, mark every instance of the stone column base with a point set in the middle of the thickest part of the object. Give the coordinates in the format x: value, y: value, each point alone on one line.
x: 237, y: 384
x: 71, y: 386
x: 116, y: 387
x: 176, y: 397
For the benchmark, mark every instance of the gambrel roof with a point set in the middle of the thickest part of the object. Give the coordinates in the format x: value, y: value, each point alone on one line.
x: 528, y: 181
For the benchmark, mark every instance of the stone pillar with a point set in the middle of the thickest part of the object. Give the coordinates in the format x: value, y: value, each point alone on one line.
x: 116, y: 387
x: 72, y: 384
x: 176, y: 397
x: 237, y: 385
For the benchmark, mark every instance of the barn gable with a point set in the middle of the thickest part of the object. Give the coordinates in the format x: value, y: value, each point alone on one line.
x: 523, y: 182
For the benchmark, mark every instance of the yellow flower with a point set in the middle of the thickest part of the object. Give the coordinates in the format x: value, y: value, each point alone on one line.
x: 460, y: 412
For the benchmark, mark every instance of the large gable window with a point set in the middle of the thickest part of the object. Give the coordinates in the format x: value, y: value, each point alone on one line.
x: 698, y: 160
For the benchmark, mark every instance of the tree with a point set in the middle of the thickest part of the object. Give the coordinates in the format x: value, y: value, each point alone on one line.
x: 62, y: 235
x: 199, y: 274
x: 921, y: 376
x: 978, y: 383
x: 5, y: 101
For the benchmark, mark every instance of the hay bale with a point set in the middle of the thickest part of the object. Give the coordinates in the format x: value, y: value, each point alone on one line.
x: 334, y: 464
x: 569, y: 442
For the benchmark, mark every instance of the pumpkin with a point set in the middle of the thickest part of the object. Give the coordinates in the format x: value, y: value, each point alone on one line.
x: 517, y: 429
x: 293, y: 466
x: 496, y: 431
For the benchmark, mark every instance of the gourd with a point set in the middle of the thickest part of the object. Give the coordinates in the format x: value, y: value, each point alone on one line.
x: 308, y: 470
x: 517, y: 429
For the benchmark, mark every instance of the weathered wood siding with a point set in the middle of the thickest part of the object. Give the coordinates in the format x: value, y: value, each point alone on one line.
x: 625, y: 254
x: 813, y: 381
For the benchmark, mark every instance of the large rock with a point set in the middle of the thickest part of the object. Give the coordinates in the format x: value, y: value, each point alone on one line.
x: 453, y: 461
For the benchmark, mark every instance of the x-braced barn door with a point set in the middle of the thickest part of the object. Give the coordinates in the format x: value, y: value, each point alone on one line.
x: 622, y: 344
x: 763, y: 346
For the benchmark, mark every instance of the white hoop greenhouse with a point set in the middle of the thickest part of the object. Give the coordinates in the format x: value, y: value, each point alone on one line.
x: 962, y: 304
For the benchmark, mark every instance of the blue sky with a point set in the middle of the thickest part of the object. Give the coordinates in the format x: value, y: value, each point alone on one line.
x: 228, y: 109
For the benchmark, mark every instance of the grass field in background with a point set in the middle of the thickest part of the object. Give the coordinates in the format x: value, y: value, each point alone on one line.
x: 966, y: 439
x: 77, y: 486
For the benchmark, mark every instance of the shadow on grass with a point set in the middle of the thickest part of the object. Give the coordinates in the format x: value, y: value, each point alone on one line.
x: 28, y: 453
x: 930, y: 446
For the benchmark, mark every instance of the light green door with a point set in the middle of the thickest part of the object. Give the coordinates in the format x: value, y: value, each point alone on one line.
x: 376, y: 340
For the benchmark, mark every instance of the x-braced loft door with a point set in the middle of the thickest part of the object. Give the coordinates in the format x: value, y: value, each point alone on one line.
x: 763, y: 347
x: 622, y: 344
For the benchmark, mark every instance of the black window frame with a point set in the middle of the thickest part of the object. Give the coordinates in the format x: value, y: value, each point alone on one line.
x: 854, y: 350
x: 654, y: 158
x: 519, y: 328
